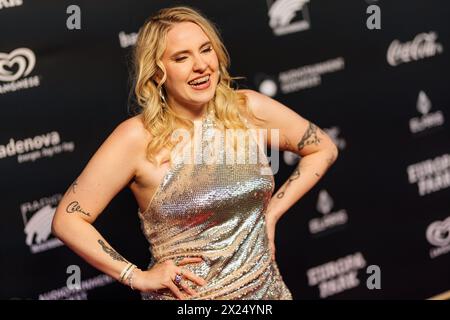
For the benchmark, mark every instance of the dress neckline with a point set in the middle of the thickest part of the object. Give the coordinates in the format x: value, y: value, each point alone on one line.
x: 207, y: 120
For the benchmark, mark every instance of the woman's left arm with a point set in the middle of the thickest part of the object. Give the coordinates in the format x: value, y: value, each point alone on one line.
x: 298, y: 135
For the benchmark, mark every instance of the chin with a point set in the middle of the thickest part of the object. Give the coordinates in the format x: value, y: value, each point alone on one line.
x: 202, y: 97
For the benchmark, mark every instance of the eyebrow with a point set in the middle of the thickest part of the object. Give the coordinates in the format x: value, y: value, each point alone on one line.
x: 187, y: 51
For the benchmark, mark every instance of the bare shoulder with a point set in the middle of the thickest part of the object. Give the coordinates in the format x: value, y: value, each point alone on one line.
x: 266, y: 108
x: 254, y: 101
x: 253, y: 98
x: 132, y: 132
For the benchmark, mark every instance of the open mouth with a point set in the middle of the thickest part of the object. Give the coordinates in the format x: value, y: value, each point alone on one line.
x: 200, y: 83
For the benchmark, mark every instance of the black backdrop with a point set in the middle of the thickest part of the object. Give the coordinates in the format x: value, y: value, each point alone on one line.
x: 382, y: 94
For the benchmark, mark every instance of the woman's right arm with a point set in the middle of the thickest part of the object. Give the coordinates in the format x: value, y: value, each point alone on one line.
x: 107, y: 172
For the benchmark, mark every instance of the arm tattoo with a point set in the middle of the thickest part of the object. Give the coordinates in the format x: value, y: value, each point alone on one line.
x: 72, y: 187
x: 310, y: 137
x: 294, y: 176
x: 112, y: 253
x: 75, y: 207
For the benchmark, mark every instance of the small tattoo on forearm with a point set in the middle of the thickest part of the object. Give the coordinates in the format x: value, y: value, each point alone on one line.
x: 310, y: 137
x: 111, y: 252
x: 294, y: 176
x: 75, y: 207
x: 317, y: 175
x: 72, y: 187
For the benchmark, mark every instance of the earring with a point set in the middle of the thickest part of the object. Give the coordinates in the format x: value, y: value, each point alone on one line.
x: 161, y: 95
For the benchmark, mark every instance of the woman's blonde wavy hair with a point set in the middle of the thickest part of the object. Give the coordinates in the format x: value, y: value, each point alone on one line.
x: 158, y: 117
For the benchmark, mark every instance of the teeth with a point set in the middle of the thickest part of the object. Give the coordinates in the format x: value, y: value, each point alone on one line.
x: 205, y: 78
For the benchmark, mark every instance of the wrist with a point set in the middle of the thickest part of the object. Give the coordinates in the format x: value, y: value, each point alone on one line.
x: 127, y: 275
x: 137, y: 279
x: 272, y: 218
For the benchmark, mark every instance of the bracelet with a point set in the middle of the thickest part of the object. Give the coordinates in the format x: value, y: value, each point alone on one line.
x: 130, y: 278
x: 125, y: 272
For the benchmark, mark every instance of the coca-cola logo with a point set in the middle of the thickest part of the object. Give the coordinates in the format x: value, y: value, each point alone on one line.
x: 423, y: 46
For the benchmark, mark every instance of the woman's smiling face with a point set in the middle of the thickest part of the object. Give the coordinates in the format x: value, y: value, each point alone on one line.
x: 189, y: 55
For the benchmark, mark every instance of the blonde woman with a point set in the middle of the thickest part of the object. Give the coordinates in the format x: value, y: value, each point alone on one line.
x: 211, y: 226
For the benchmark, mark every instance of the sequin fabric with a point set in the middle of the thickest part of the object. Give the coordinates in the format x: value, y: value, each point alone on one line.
x: 216, y: 211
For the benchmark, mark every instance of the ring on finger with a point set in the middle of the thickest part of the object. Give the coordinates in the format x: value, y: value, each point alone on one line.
x: 178, y: 278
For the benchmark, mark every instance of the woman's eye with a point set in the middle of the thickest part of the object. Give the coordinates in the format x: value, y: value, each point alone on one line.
x: 179, y: 59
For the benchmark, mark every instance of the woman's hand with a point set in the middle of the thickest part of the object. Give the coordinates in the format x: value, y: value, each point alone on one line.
x: 162, y: 275
x: 270, y: 227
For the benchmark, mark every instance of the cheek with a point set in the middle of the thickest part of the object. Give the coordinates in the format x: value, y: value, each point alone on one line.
x: 177, y: 74
x: 214, y: 61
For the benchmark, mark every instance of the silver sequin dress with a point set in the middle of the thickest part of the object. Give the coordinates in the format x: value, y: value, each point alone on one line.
x: 216, y: 211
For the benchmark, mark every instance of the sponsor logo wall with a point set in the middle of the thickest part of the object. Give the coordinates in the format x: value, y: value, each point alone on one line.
x: 381, y: 95
x: 15, y: 68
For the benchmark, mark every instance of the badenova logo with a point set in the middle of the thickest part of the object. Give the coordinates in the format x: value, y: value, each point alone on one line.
x: 428, y: 119
x: 33, y: 148
x: 288, y: 16
x: 5, y: 4
x: 438, y: 234
x: 336, y: 276
x: 423, y: 46
x: 37, y: 217
x: 14, y: 69
x: 329, y: 219
x: 430, y: 175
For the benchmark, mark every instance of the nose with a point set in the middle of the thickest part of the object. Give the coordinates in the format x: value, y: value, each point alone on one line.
x: 199, y: 64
